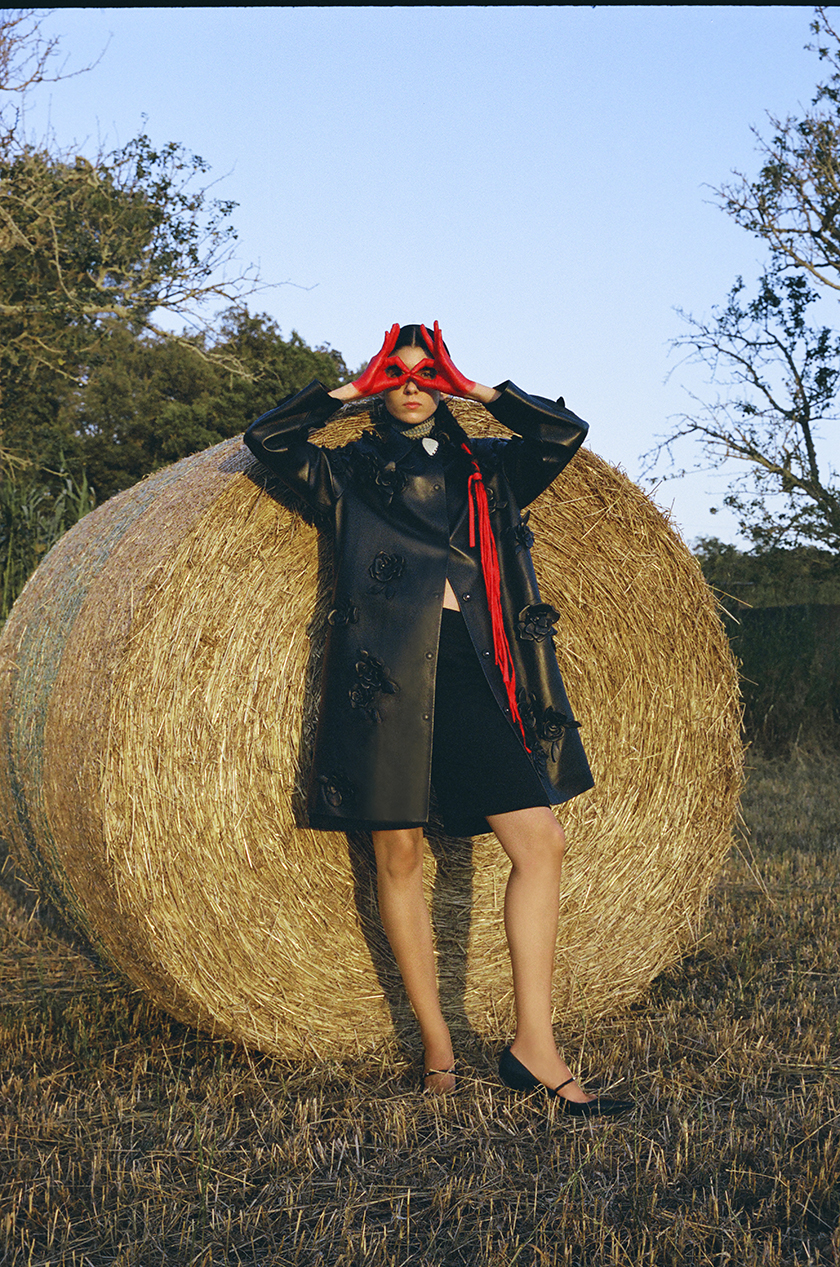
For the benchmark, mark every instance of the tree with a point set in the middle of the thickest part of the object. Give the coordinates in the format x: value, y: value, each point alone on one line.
x: 94, y: 391
x: 26, y: 59
x: 777, y: 379
x: 130, y: 236
x: 777, y: 375
x: 770, y: 578
x: 146, y: 401
x: 126, y: 237
x: 794, y: 203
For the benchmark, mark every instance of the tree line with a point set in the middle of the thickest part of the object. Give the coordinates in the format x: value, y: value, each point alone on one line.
x: 100, y: 260
x: 127, y: 342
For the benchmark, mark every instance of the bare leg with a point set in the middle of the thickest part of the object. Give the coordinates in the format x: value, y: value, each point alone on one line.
x: 534, y: 842
x: 405, y: 918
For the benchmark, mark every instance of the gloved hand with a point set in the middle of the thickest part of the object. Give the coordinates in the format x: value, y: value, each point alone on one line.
x: 446, y: 378
x: 385, y: 370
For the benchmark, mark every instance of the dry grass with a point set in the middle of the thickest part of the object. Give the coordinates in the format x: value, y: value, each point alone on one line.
x: 127, y: 1139
x: 158, y: 693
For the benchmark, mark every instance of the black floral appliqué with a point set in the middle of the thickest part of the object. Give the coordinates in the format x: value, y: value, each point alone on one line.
x: 341, y: 460
x: 372, y: 680
x: 386, y: 477
x: 544, y: 730
x: 390, y: 480
x: 536, y: 622
x: 522, y: 534
x: 336, y: 789
x: 385, y: 570
x: 551, y: 728
x: 494, y: 503
x: 344, y: 614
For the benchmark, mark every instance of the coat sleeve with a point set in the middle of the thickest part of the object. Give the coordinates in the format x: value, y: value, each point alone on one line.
x: 549, y: 437
x: 280, y: 439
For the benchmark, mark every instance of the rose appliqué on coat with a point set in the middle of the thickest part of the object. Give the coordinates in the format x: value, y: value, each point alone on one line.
x: 545, y: 730
x: 344, y: 614
x: 536, y: 622
x: 522, y: 534
x: 390, y: 480
x: 494, y: 503
x: 386, y: 569
x: 372, y: 679
x: 386, y: 477
x: 551, y: 728
x: 336, y: 789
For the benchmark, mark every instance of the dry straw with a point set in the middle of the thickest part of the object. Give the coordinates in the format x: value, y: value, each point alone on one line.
x: 159, y: 695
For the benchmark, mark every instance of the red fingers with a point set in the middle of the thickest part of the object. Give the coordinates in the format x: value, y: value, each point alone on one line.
x: 385, y: 370
x: 435, y: 372
x: 447, y: 378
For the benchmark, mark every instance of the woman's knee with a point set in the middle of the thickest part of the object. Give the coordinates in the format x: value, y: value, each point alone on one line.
x: 533, y: 839
x: 399, y: 854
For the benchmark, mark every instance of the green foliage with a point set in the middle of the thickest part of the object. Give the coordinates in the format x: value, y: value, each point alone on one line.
x: 127, y: 236
x: 145, y: 401
x: 781, y: 610
x: 32, y: 518
x: 771, y: 578
x: 790, y: 674
x: 94, y: 393
x: 148, y: 401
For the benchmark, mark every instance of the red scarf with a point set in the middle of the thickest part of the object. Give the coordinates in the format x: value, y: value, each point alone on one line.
x: 477, y: 498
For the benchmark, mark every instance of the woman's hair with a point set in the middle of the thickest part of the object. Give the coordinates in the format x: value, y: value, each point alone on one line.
x: 447, y: 422
x: 411, y: 336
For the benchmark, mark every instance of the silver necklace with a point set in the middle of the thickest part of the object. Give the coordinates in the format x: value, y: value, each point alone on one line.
x: 423, y: 432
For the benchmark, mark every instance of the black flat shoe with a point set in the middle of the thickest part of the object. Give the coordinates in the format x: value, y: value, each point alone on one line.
x: 514, y: 1075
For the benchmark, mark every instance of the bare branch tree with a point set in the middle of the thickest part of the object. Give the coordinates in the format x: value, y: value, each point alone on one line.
x: 776, y: 379
x: 794, y: 202
x: 27, y: 58
x: 776, y: 376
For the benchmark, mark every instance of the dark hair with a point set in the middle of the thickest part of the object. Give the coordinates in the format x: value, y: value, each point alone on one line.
x: 411, y: 336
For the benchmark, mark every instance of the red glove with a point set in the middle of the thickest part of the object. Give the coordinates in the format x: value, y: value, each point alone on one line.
x: 446, y: 377
x: 385, y: 370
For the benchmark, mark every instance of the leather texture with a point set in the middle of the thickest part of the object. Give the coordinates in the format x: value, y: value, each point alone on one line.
x: 401, y: 528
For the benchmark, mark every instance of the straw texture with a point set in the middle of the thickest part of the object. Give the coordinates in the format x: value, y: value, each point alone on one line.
x: 157, y: 706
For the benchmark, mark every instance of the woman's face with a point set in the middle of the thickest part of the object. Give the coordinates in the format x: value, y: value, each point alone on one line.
x: 409, y: 403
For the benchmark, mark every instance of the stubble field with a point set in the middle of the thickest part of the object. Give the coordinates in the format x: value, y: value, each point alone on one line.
x: 127, y: 1139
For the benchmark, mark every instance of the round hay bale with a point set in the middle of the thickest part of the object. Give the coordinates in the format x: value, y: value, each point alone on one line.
x: 159, y: 698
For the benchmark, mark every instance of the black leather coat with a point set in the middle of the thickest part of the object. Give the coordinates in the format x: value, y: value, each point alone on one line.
x: 401, y: 528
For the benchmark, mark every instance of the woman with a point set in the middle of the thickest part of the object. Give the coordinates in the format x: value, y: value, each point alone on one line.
x: 439, y: 671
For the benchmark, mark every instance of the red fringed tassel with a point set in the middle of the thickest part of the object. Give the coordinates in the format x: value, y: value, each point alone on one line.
x: 477, y: 498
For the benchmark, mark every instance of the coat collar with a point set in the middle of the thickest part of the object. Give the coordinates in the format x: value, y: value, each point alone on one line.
x: 394, y: 443
x: 396, y: 446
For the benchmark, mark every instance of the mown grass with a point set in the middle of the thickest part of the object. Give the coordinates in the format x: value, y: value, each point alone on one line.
x: 127, y: 1139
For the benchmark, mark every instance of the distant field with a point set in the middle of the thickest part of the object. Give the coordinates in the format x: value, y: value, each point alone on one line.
x: 127, y: 1139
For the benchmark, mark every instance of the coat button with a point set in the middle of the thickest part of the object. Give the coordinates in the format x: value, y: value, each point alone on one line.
x: 426, y: 717
x: 436, y: 487
x: 428, y: 655
x: 486, y: 655
x: 466, y: 597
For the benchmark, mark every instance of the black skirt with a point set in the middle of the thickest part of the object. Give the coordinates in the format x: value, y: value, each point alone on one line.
x: 479, y: 765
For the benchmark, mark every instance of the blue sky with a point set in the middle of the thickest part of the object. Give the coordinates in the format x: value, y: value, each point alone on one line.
x: 538, y: 179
